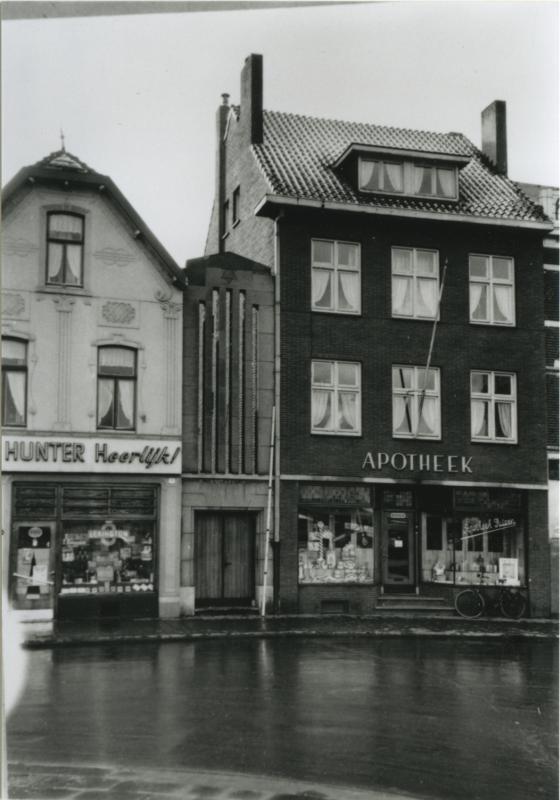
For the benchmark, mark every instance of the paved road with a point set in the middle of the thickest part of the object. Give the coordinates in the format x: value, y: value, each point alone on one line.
x: 451, y: 720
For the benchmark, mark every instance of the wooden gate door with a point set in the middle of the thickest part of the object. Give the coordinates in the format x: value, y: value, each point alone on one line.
x: 224, y: 558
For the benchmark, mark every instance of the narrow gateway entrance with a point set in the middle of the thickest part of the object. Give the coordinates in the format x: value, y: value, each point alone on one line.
x: 224, y: 559
x: 398, y: 551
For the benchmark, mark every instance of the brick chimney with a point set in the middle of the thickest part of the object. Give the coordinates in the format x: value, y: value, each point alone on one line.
x: 494, y: 137
x: 251, y: 111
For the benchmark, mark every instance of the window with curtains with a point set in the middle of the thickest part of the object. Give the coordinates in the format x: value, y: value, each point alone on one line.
x: 14, y: 382
x: 65, y: 249
x: 380, y: 176
x: 335, y: 276
x: 491, y: 290
x: 407, y: 177
x: 416, y: 403
x: 415, y: 282
x: 434, y: 181
x: 493, y: 407
x: 116, y: 388
x: 335, y: 397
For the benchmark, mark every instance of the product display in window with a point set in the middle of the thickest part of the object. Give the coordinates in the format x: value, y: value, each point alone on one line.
x: 483, y: 549
x: 33, y: 573
x: 107, y: 558
x: 335, y: 546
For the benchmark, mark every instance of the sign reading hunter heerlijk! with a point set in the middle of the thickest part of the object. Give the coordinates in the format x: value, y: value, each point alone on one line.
x: 417, y: 462
x: 31, y: 454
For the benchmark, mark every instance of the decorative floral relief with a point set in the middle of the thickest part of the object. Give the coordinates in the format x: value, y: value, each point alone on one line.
x: 13, y: 305
x: 19, y: 247
x: 114, y: 256
x: 118, y: 313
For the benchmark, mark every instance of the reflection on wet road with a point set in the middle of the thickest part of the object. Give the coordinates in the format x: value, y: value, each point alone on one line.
x: 445, y: 719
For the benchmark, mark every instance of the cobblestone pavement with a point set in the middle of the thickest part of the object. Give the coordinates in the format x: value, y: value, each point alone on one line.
x: 103, y: 782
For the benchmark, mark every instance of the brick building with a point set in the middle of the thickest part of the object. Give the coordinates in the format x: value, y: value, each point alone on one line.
x: 410, y: 446
x: 91, y: 400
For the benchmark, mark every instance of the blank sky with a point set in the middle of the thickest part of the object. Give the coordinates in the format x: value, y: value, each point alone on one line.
x: 137, y: 95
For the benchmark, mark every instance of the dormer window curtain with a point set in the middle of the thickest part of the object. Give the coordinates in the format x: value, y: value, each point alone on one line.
x: 407, y: 177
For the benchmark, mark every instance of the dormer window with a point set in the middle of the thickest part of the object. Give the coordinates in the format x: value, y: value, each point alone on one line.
x: 380, y: 176
x: 407, y: 177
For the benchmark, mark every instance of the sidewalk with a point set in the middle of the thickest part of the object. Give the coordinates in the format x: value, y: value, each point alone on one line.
x: 85, y: 632
x: 93, y: 782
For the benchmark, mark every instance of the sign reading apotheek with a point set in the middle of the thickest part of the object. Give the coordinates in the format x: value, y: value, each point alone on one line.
x: 34, y: 454
x: 417, y: 462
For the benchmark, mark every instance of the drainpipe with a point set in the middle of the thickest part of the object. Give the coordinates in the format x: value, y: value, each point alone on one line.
x: 276, y: 548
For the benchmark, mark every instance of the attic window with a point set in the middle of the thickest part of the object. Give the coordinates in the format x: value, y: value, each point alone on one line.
x: 380, y: 176
x: 407, y: 177
x: 65, y: 244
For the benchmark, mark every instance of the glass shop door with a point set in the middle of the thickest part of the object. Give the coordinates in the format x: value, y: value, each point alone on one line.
x: 398, y: 550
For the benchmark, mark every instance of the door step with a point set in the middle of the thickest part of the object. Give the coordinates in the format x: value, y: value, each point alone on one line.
x: 226, y: 611
x: 413, y: 603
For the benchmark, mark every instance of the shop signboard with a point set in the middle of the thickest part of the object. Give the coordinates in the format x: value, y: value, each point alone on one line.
x: 74, y: 454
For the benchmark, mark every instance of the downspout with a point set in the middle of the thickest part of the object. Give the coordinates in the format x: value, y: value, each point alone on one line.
x: 276, y: 546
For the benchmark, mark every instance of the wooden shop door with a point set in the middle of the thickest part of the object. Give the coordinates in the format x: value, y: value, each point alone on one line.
x: 224, y: 558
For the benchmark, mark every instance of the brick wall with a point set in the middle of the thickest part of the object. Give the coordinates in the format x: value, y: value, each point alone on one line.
x: 539, y: 554
x: 377, y: 341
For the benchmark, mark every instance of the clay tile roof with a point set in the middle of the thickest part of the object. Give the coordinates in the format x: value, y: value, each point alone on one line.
x: 298, y: 154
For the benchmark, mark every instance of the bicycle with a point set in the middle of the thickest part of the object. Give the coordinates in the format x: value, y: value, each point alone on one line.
x: 473, y: 602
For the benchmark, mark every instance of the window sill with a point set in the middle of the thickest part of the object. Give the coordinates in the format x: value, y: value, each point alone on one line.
x: 336, y: 311
x: 351, y: 434
x: 492, y: 324
x: 77, y: 291
x: 494, y: 441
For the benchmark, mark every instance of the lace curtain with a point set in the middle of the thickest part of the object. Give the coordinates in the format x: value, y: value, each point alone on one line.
x: 446, y: 182
x: 347, y: 411
x: 14, y: 398
x: 321, y: 289
x: 402, y: 295
x: 503, y: 304
x: 504, y: 428
x: 348, y: 290
x: 479, y: 418
x: 320, y: 408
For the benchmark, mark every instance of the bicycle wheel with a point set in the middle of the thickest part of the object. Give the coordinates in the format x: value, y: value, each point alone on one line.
x: 512, y: 604
x: 469, y: 603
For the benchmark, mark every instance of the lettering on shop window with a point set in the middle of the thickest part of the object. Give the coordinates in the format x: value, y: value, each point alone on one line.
x: 418, y: 462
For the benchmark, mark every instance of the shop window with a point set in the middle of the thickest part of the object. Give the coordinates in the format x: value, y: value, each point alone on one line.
x: 107, y: 558
x: 416, y: 402
x: 415, y: 282
x: 491, y: 290
x: 32, y: 579
x: 116, y: 388
x: 335, y: 397
x: 14, y: 383
x: 335, y: 276
x: 335, y: 545
x: 484, y: 548
x: 65, y: 249
x: 493, y: 407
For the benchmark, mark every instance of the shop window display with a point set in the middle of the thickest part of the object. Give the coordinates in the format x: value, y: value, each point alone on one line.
x: 33, y: 573
x: 105, y: 558
x: 481, y: 549
x: 335, y: 545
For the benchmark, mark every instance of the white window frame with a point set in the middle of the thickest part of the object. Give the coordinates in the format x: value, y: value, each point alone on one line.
x: 336, y: 270
x: 415, y: 276
x: 334, y: 387
x: 433, y: 193
x: 415, y: 394
x: 492, y: 398
x: 490, y: 282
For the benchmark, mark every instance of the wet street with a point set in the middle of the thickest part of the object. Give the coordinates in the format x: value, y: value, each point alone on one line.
x: 447, y: 719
